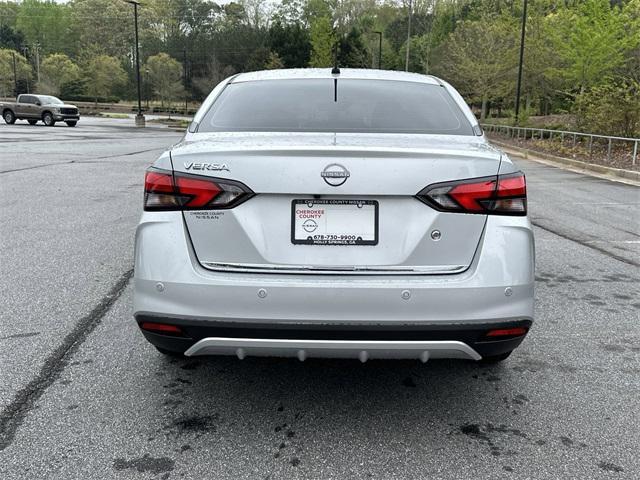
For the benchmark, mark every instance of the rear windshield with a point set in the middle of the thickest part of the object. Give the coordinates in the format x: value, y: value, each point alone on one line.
x: 315, y: 105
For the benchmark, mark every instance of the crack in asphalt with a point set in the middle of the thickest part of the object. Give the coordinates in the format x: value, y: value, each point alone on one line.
x: 14, y: 414
x: 91, y: 160
x: 585, y: 243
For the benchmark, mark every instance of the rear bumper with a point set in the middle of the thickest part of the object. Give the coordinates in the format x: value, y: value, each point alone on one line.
x: 302, y: 341
x: 61, y: 117
x: 171, y: 286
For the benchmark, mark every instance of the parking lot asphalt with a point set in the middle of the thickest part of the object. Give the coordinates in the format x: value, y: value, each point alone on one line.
x: 82, y: 395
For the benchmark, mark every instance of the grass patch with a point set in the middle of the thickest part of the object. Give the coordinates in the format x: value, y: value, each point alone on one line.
x: 114, y: 115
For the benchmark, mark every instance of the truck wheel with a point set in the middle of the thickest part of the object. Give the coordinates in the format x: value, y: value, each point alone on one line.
x: 48, y: 120
x: 32, y: 122
x: 71, y: 123
x: 9, y: 117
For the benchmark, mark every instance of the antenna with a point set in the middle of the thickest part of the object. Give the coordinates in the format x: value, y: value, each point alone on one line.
x: 335, y: 70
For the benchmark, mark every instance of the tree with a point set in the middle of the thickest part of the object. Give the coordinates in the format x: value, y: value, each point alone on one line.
x: 291, y: 42
x: 56, y: 71
x: 7, y: 79
x: 273, y: 62
x: 10, y: 38
x: 323, y: 40
x: 352, y: 53
x: 44, y: 23
x: 478, y: 58
x: 104, y: 74
x: 165, y: 74
x: 591, y: 40
x: 105, y: 26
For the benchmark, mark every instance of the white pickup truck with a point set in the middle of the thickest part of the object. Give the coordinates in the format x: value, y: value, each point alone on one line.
x: 34, y: 108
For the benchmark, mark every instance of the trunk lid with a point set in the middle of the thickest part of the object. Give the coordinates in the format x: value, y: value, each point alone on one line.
x: 387, y: 170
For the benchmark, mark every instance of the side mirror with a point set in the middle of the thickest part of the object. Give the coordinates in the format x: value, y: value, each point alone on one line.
x: 39, y: 103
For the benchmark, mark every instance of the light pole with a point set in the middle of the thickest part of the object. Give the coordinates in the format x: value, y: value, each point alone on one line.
x: 519, y: 84
x: 139, y: 116
x: 406, y: 60
x: 379, y: 49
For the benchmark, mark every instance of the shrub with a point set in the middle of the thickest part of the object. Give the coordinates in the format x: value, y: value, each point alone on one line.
x: 610, y: 109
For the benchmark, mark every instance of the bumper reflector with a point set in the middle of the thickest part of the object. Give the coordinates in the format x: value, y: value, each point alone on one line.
x: 161, y: 328
x: 507, y: 332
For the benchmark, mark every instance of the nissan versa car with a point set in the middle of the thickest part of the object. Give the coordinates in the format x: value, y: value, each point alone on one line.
x: 359, y: 214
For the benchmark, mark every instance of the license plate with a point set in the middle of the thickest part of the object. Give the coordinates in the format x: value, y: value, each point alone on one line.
x: 334, y: 222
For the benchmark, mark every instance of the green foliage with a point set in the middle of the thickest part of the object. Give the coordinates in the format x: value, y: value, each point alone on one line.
x: 23, y: 71
x: 291, y: 42
x: 44, y: 23
x: 165, y: 74
x: 57, y: 70
x: 104, y: 74
x: 352, y: 52
x: 591, y: 41
x: 10, y: 38
x: 495, y: 44
x: 105, y: 26
x: 573, y: 47
x: 323, y: 41
x: 273, y: 62
x: 75, y: 89
x: 611, y: 109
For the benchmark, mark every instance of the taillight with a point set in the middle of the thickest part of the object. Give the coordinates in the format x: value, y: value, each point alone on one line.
x: 497, y: 195
x: 165, y: 190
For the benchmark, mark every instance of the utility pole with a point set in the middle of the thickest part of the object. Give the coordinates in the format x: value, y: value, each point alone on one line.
x: 379, y: 49
x: 36, y: 46
x: 406, y: 60
x: 139, y: 116
x: 25, y: 53
x: 519, y: 84
x: 15, y: 75
x: 184, y: 76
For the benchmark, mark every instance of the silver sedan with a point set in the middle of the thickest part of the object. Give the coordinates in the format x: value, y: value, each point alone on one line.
x: 359, y: 214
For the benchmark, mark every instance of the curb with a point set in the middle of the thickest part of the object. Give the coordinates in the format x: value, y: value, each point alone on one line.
x: 562, y: 161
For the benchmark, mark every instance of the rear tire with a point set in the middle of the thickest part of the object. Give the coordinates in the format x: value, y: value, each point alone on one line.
x: 169, y: 353
x: 48, y: 120
x: 9, y: 117
x: 71, y: 123
x: 495, y: 358
x: 32, y: 122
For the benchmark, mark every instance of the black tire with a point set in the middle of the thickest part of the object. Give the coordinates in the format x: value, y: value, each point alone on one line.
x: 495, y: 358
x: 9, y: 117
x: 48, y: 120
x: 71, y: 123
x: 169, y: 353
x: 32, y: 121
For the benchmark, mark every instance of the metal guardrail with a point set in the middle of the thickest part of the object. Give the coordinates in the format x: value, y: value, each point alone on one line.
x: 530, y: 132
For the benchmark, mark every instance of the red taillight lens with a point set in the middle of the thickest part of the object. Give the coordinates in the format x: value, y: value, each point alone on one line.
x: 471, y: 195
x: 498, y: 195
x: 161, y: 328
x: 165, y: 190
x: 506, y: 332
x: 201, y: 191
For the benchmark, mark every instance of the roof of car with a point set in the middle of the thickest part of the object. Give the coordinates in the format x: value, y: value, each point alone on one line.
x: 355, y: 73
